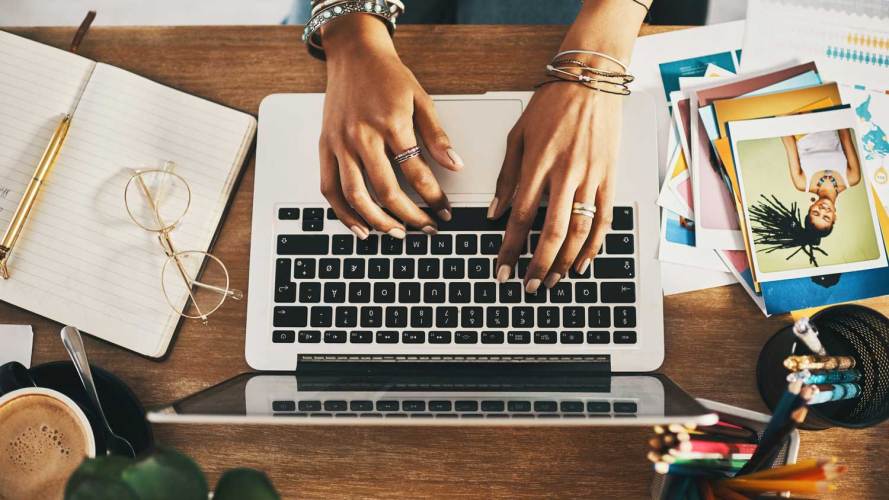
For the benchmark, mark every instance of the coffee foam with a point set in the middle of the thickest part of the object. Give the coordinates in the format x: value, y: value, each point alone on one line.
x: 42, y: 441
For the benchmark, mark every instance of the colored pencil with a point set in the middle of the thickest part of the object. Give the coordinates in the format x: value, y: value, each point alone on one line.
x: 696, y: 455
x: 809, y: 362
x: 702, y: 446
x: 770, y: 446
x: 687, y: 470
x: 768, y: 485
x: 716, y: 463
x: 788, y: 470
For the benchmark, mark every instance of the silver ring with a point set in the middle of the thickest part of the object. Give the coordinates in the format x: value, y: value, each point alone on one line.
x: 406, y: 155
x: 585, y: 209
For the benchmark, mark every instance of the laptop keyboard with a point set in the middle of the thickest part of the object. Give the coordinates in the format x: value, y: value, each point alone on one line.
x: 332, y: 288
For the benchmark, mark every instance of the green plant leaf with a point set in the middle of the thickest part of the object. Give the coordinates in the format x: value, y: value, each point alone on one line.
x: 99, y: 479
x: 166, y: 475
x: 244, y: 484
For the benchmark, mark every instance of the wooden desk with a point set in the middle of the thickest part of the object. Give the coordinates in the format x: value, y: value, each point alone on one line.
x: 706, y: 331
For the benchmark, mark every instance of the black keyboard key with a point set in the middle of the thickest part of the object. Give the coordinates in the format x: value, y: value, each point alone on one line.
x: 409, y: 293
x: 304, y: 268
x: 624, y: 337
x: 434, y: 293
x: 598, y: 407
x: 545, y: 406
x: 334, y: 293
x: 310, y: 292
x: 412, y: 337
x: 548, y: 317
x: 497, y: 317
x: 491, y: 244
x: 492, y: 337
x: 614, y: 268
x: 453, y: 269
x: 285, y: 289
x: 321, y: 316
x: 518, y: 406
x: 623, y: 219
x: 421, y: 317
x: 599, y: 317
x: 479, y: 269
x: 416, y: 244
x: 384, y: 292
x: 571, y: 406
x: 342, y: 244
x: 573, y: 274
x: 387, y: 406
x: 624, y: 317
x: 493, y: 406
x: 495, y: 267
x: 283, y: 336
x: 346, y: 317
x: 371, y: 317
x: 472, y: 317
x: 290, y: 316
x: 368, y: 246
x: 442, y: 244
x: 378, y: 269
x: 522, y: 317
x: 458, y: 293
x: 285, y: 293
x: 312, y: 225
x: 335, y: 337
x: 467, y: 244
x: 598, y: 337
x: 428, y: 269
x: 619, y: 244
x: 313, y: 213
x: 619, y: 292
x: 331, y: 215
x: 485, y: 293
x: 403, y: 269
x: 438, y: 406
x: 510, y: 292
x: 546, y: 337
x: 625, y: 407
x: 413, y: 405
x: 573, y: 317
x: 390, y: 245
x: 360, y: 337
x: 396, y: 317
x: 361, y: 406
x: 524, y: 263
x: 303, y: 244
x: 288, y: 213
x: 518, y: 337
x: 446, y: 317
x: 465, y: 337
x: 538, y: 297
x: 283, y: 406
x: 359, y: 292
x: 560, y: 293
x: 464, y: 406
x: 535, y: 240
x: 309, y: 406
x: 585, y: 292
x: 309, y: 336
x: 353, y: 269
x: 335, y: 405
x: 329, y: 268
x: 387, y: 337
x: 571, y: 337
x: 439, y: 337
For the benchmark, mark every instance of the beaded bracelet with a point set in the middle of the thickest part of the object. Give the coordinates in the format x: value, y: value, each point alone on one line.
x: 330, y: 11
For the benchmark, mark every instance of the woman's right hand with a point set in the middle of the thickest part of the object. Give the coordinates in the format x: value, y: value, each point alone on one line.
x: 372, y: 105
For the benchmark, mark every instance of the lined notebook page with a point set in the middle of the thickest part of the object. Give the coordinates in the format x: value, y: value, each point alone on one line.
x: 82, y: 261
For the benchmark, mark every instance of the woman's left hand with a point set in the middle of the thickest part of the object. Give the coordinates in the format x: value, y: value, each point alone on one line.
x: 564, y: 144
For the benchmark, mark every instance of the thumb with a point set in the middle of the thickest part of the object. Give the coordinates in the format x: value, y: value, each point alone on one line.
x: 434, y: 137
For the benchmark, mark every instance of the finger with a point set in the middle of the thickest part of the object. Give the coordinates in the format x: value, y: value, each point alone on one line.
x: 418, y: 174
x: 356, y: 194
x: 433, y: 135
x: 524, y: 210
x: 382, y: 178
x: 509, y: 174
x: 601, y: 225
x: 555, y: 229
x: 331, y: 188
x: 579, y: 229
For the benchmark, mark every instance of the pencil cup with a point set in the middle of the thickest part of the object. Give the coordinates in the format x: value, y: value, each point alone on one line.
x: 845, y: 330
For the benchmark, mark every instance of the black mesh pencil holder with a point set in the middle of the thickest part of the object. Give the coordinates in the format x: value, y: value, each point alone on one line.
x: 845, y: 330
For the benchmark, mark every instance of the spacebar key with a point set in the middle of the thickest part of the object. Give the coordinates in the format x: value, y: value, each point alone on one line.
x: 303, y: 244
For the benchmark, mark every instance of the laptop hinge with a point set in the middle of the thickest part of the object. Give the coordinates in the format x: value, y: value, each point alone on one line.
x: 593, y: 363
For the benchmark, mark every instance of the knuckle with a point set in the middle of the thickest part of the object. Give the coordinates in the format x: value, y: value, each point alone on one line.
x: 580, y: 227
x: 389, y: 195
x: 424, y: 182
x: 353, y: 196
x: 551, y: 237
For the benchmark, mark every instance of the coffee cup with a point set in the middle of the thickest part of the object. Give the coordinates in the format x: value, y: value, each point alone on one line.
x: 44, y: 436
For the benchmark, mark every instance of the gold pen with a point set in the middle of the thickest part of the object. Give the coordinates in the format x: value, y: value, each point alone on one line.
x: 47, y: 161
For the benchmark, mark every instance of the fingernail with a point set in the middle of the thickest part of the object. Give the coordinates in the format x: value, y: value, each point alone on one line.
x: 444, y: 214
x: 552, y: 279
x: 396, y: 232
x: 455, y: 157
x: 492, y: 208
x: 503, y: 273
x: 533, y: 285
x: 583, y: 266
x: 360, y: 232
x: 429, y: 230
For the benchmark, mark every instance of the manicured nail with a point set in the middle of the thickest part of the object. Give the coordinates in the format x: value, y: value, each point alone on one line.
x: 396, y: 232
x: 583, y: 266
x: 552, y: 279
x: 533, y: 285
x: 444, y: 214
x: 492, y: 208
x: 360, y: 232
x: 429, y: 230
x: 455, y: 158
x: 503, y: 273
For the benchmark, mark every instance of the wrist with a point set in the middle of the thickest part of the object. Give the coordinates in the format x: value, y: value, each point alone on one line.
x: 607, y: 26
x: 356, y: 35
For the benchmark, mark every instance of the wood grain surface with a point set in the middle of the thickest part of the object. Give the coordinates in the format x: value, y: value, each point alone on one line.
x: 712, y: 336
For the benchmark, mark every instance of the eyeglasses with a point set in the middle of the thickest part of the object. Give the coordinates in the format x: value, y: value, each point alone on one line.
x: 157, y: 200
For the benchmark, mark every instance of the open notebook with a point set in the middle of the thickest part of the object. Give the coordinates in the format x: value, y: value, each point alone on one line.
x: 80, y: 259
